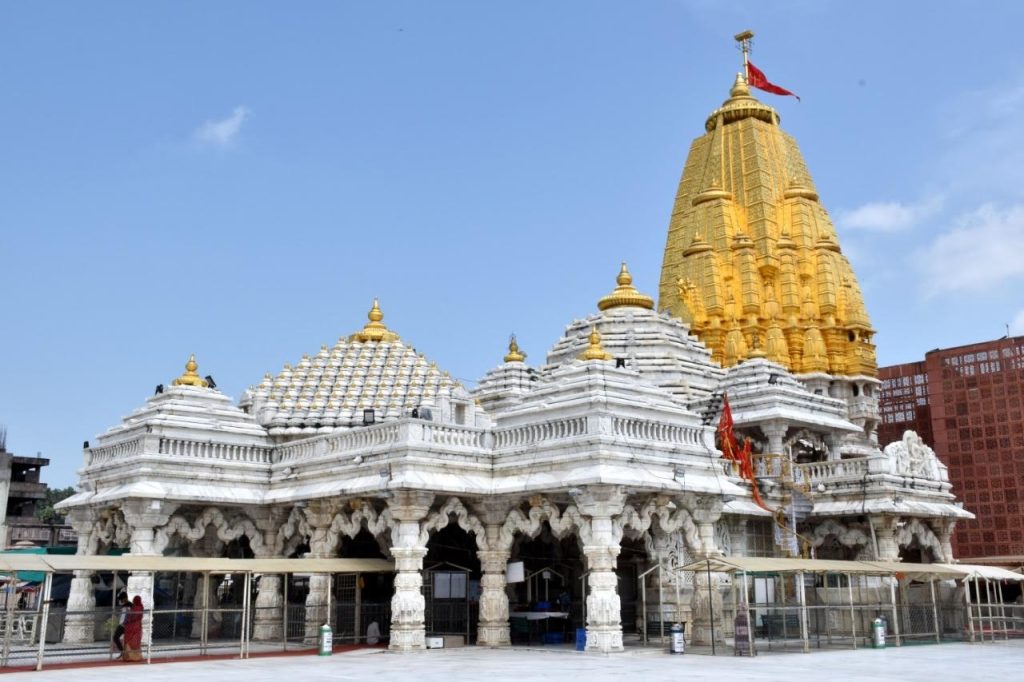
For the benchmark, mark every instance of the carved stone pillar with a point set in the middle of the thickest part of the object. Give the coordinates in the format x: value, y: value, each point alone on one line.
x: 80, y: 622
x: 775, y: 432
x: 885, y: 535
x: 144, y: 517
x: 707, y: 609
x: 207, y: 546
x: 601, y: 549
x: 320, y: 514
x: 738, y: 535
x: 408, y: 608
x: 493, y: 628
x: 268, y: 621
x: 706, y: 603
x: 944, y: 532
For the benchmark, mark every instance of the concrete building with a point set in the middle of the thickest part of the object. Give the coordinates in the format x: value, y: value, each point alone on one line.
x: 21, y: 492
x: 591, y: 467
x: 966, y: 402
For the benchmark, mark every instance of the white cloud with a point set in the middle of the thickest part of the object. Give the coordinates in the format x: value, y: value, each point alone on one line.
x: 222, y: 132
x: 890, y: 216
x: 983, y: 250
x: 1017, y: 326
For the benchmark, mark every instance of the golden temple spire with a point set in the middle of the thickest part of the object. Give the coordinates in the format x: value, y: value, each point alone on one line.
x: 752, y: 261
x: 190, y: 378
x: 374, y: 329
x: 595, y: 351
x: 625, y: 294
x: 514, y: 354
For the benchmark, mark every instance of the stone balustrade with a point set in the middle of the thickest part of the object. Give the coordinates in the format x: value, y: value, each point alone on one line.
x: 533, y: 434
x: 249, y: 454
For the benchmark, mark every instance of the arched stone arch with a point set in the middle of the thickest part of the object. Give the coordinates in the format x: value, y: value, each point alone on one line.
x: 227, y: 529
x: 293, y: 532
x: 925, y: 536
x: 530, y: 524
x: 669, y: 520
x: 468, y: 522
x: 349, y: 525
x: 847, y: 537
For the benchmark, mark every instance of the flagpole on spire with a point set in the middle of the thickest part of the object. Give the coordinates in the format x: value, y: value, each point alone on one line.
x: 744, y: 39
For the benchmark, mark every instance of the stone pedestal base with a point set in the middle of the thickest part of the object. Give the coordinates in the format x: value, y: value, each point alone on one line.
x: 493, y: 635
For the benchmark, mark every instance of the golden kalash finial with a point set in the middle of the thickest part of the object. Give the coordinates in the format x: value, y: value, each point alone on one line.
x: 374, y: 329
x: 190, y: 378
x: 595, y: 351
x: 625, y: 294
x: 514, y: 354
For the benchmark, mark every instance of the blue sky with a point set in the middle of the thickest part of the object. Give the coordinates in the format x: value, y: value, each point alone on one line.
x: 240, y: 179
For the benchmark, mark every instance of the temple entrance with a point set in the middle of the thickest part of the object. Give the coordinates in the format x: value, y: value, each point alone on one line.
x: 548, y: 605
x: 451, y: 585
x: 362, y: 610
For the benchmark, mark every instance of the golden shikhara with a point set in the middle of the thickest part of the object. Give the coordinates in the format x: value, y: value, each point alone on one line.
x: 752, y: 261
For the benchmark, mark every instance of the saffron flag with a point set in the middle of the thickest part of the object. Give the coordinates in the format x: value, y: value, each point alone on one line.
x: 742, y: 459
x: 757, y: 79
x: 730, y: 448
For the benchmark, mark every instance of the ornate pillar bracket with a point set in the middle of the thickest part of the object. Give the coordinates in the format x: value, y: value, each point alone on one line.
x: 601, y: 549
x: 944, y: 528
x: 494, y: 628
x: 408, y: 608
x: 885, y: 535
x: 706, y: 510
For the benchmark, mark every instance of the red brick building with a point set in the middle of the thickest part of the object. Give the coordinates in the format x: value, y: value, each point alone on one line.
x: 968, y: 404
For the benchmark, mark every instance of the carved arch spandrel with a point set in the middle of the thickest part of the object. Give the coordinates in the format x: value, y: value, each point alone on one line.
x: 926, y: 538
x: 227, y: 529
x: 530, y: 524
x: 349, y: 525
x: 467, y: 521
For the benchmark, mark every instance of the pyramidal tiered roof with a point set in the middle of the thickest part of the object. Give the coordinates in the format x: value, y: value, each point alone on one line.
x: 752, y: 260
x: 371, y: 369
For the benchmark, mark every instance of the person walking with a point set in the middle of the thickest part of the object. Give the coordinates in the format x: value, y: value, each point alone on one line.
x: 133, y: 632
x: 122, y: 614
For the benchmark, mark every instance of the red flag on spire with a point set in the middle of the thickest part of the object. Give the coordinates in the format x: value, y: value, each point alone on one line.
x: 757, y: 79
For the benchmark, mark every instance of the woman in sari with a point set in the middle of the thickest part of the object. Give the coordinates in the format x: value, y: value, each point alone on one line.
x: 133, y: 631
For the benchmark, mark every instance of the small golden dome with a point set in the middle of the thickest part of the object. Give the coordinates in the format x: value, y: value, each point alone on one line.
x: 595, y: 351
x: 190, y: 378
x: 374, y: 329
x: 625, y: 294
x: 514, y: 354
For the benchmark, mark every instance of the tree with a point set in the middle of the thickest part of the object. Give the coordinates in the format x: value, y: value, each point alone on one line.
x: 45, y: 511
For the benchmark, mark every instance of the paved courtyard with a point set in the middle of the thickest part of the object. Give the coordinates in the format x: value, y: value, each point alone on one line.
x: 1001, y: 661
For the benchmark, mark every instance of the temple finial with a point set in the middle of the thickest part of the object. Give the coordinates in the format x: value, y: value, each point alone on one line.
x: 595, y: 351
x: 190, y: 378
x: 625, y: 294
x: 745, y: 40
x: 374, y: 329
x: 514, y: 354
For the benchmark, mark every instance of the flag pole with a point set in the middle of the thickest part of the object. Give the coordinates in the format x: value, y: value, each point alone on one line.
x: 744, y: 39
